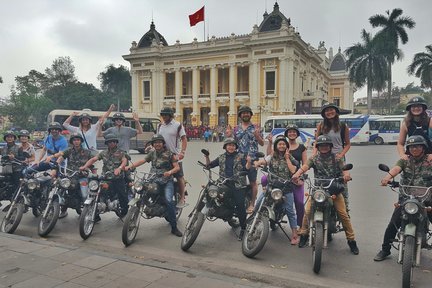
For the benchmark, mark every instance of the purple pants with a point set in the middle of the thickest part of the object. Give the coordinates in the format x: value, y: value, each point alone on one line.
x: 299, y: 203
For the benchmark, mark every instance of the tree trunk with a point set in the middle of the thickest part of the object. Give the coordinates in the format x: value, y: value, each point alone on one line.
x: 389, y: 87
x: 369, y: 98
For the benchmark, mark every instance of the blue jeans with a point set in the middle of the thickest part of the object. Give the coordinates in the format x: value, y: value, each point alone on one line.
x: 169, y: 195
x: 287, y: 206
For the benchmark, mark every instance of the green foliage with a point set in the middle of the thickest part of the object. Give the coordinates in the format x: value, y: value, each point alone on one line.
x: 116, y: 84
x: 421, y: 67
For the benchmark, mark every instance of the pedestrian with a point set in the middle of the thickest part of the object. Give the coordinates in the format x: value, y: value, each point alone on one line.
x: 248, y: 137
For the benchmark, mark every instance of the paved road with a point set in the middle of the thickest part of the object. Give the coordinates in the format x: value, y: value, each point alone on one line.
x: 279, y: 263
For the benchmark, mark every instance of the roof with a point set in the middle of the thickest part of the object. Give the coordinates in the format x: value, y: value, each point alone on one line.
x: 273, y: 21
x: 338, y: 63
x: 152, y: 34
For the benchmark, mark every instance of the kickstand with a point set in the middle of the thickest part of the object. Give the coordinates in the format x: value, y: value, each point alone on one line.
x: 280, y: 226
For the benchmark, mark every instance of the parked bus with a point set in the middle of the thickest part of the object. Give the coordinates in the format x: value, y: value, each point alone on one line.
x: 358, y: 126
x: 385, y: 129
x: 149, y: 124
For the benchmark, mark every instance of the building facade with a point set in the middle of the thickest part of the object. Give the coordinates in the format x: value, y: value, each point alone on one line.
x: 271, y: 69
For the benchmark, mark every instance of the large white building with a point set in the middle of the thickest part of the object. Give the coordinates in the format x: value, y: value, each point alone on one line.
x: 272, y: 69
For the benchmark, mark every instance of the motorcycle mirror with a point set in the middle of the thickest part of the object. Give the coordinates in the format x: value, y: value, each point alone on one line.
x: 383, y: 167
x: 205, y: 152
x: 259, y: 155
x: 347, y: 167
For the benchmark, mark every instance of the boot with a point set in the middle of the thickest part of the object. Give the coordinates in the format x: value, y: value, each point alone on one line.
x: 241, y: 235
x: 303, y: 241
x: 382, y: 255
x: 353, y: 246
x: 176, y: 232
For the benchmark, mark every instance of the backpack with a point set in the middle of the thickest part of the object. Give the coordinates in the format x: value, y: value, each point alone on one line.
x: 342, y: 132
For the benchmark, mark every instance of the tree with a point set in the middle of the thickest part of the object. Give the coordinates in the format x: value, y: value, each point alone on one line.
x: 116, y: 84
x: 62, y: 71
x: 1, y: 80
x: 367, y: 65
x: 393, y: 29
x: 421, y: 67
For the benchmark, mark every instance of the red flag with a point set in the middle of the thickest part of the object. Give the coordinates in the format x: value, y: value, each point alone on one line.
x: 196, y: 17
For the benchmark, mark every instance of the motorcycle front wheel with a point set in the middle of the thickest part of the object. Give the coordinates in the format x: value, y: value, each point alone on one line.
x: 193, y: 228
x: 86, y: 221
x: 317, y: 246
x: 13, y: 217
x: 408, y: 261
x: 255, y: 237
x: 131, y: 225
x: 47, y: 223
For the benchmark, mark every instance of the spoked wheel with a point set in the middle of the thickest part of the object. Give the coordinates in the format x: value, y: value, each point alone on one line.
x: 193, y: 228
x: 131, y: 225
x: 86, y: 221
x: 408, y: 261
x: 13, y: 217
x: 256, y: 237
x: 47, y: 222
x: 317, y: 246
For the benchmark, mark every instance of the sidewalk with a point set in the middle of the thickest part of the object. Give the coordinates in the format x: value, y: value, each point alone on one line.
x: 27, y: 262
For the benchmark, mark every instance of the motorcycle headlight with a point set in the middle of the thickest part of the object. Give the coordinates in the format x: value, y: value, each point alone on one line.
x: 138, y: 186
x: 411, y: 208
x: 212, y: 191
x: 93, y: 185
x: 276, y: 194
x: 32, y: 184
x: 151, y: 188
x: 319, y: 196
x: 65, y: 183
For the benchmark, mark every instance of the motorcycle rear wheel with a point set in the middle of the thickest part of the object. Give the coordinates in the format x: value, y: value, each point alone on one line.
x: 46, y: 224
x: 408, y: 261
x: 317, y: 247
x: 254, y: 241
x: 10, y: 224
x: 190, y: 234
x: 131, y: 225
x: 86, y: 221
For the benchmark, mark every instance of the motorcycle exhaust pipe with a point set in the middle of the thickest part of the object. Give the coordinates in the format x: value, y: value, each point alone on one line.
x: 418, y: 244
x: 325, y: 234
x: 401, y: 246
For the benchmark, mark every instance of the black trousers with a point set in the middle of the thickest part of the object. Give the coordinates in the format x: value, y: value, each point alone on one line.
x: 239, y: 202
x: 119, y: 186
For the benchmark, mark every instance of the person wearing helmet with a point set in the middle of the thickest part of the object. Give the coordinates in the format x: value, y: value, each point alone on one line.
x: 416, y: 122
x: 416, y: 171
x: 25, y: 146
x: 123, y: 133
x: 174, y: 132
x: 165, y: 163
x: 282, y: 164
x: 13, y: 151
x: 53, y: 144
x: 77, y: 156
x: 88, y: 130
x: 231, y: 163
x: 248, y: 137
x: 114, y: 161
x: 326, y: 165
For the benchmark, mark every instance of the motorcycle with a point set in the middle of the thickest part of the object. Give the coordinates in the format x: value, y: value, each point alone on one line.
x: 148, y: 202
x: 268, y: 214
x: 323, y: 221
x: 100, y: 199
x: 7, y: 187
x: 31, y: 193
x: 65, y: 192
x: 413, y: 231
x: 214, y: 202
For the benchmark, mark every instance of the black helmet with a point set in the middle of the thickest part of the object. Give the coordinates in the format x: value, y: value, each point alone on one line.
x: 84, y: 115
x: 291, y: 127
x: 24, y: 133
x: 322, y: 139
x: 230, y: 140
x: 76, y: 135
x: 9, y: 133
x: 278, y: 139
x: 157, y: 137
x: 118, y: 115
x: 416, y: 140
x: 54, y: 125
x: 244, y: 108
x: 167, y: 111
x: 111, y: 137
x: 329, y: 105
x: 417, y: 100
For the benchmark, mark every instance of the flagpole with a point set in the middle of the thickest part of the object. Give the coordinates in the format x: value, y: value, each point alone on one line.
x: 204, y: 23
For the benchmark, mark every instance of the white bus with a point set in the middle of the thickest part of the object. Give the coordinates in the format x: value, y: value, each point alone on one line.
x: 149, y: 124
x: 385, y: 129
x: 357, y: 124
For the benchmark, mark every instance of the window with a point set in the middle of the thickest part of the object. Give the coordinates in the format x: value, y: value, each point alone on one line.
x: 336, y: 101
x: 146, y: 90
x: 270, y: 82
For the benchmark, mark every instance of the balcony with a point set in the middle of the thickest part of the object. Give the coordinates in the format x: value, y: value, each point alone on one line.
x: 169, y: 99
x: 203, y: 98
x: 186, y: 99
x: 222, y: 97
x: 242, y: 96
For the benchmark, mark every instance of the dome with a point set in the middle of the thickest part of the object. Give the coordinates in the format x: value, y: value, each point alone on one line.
x: 152, y: 34
x: 273, y: 21
x: 338, y: 63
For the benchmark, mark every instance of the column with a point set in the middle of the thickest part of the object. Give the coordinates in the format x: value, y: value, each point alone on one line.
x: 290, y: 80
x: 178, y: 88
x: 283, y: 95
x: 213, y: 93
x: 232, y: 71
x: 135, y: 99
x: 195, y: 91
x: 162, y: 91
x: 154, y: 85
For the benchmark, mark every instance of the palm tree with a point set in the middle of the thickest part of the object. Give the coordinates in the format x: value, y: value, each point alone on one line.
x: 367, y: 65
x: 393, y: 29
x: 421, y: 67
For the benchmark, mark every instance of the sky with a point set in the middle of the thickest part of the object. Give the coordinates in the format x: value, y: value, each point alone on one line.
x: 96, y: 33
